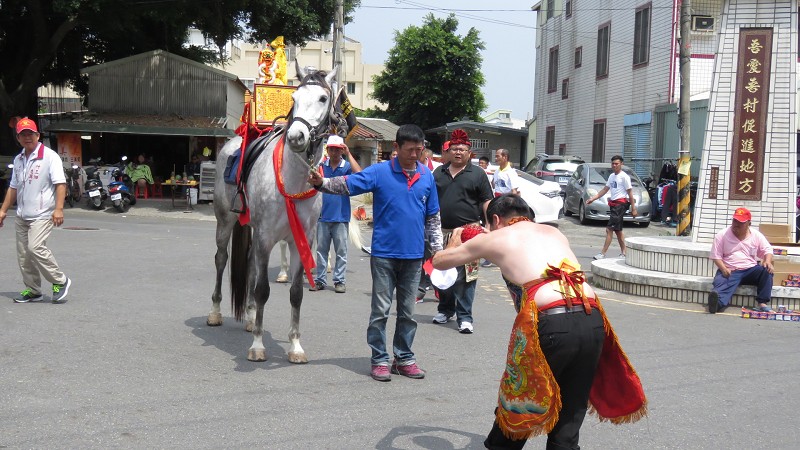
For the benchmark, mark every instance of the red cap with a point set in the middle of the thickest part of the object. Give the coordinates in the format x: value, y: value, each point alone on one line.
x: 26, y: 124
x: 742, y: 215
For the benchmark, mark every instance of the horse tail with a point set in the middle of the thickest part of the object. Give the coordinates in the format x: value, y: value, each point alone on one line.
x: 241, y: 240
x: 354, y: 232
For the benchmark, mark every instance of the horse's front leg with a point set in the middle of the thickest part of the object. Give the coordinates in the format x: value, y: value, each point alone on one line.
x: 261, y: 289
x: 296, y: 353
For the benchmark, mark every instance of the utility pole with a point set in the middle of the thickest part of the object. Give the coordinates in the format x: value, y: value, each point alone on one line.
x: 684, y: 122
x: 338, y: 43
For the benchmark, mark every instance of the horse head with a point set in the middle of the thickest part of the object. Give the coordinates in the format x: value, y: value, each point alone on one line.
x: 310, y: 119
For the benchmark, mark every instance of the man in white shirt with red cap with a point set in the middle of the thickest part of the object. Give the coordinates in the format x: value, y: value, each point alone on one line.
x: 38, y: 186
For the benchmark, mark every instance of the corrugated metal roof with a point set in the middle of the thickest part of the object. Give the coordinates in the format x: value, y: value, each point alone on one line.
x: 143, y: 124
x: 160, y: 83
x: 382, y: 129
x: 157, y: 54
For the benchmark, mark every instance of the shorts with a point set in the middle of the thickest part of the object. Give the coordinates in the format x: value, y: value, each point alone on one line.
x: 615, y: 215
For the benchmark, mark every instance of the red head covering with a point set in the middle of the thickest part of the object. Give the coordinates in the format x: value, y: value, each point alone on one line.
x: 26, y: 124
x: 459, y: 137
x: 742, y: 215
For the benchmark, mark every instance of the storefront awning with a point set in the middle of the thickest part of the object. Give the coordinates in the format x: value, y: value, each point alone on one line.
x: 141, y: 124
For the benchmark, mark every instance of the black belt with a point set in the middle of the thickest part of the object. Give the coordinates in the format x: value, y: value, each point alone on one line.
x: 562, y: 310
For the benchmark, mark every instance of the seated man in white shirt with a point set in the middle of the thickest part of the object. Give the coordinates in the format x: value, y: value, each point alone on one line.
x: 742, y: 256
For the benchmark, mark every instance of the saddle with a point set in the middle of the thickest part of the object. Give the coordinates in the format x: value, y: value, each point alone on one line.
x: 239, y: 176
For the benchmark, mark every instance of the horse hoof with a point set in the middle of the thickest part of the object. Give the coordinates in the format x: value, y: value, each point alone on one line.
x: 282, y: 278
x: 257, y: 355
x: 214, y: 319
x: 248, y: 327
x: 297, y: 358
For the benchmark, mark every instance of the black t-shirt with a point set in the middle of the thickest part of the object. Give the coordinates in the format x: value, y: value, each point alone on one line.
x: 461, y: 198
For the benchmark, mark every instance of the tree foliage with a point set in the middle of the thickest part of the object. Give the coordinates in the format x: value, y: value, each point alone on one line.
x: 50, y: 41
x: 433, y: 76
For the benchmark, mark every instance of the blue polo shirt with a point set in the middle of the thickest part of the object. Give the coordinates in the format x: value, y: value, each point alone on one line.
x: 400, y: 207
x: 335, y: 208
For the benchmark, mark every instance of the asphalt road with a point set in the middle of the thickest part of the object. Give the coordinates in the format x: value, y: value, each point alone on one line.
x: 128, y: 362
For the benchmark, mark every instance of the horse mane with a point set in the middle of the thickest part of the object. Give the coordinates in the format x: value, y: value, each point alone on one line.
x: 315, y: 77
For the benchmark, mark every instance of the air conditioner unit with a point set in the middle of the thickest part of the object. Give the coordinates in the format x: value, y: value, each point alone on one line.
x: 703, y: 24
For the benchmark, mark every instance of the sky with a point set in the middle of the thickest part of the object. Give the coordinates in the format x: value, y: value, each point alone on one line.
x: 506, y: 28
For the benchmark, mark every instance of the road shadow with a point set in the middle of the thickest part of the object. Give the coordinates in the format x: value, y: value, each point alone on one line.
x: 232, y: 339
x: 431, y: 438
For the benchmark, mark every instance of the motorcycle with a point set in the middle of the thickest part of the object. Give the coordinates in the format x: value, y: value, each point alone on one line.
x: 5, y: 179
x: 94, y: 187
x: 73, y: 185
x: 121, y: 188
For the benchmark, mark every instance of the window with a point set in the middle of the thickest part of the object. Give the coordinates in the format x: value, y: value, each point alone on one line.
x: 551, y: 7
x: 568, y: 8
x: 599, y: 140
x: 249, y: 83
x: 478, y: 144
x: 641, y: 36
x: 578, y: 57
x: 562, y: 149
x: 602, y: 51
x: 550, y: 140
x: 351, y: 88
x: 552, y: 71
x: 565, y: 88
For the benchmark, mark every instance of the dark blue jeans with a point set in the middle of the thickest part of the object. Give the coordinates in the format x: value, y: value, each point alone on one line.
x: 757, y: 276
x: 457, y: 299
x: 390, y: 275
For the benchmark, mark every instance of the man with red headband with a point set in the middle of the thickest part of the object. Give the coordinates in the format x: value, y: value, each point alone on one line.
x: 464, y: 191
x: 742, y: 256
x: 39, y: 186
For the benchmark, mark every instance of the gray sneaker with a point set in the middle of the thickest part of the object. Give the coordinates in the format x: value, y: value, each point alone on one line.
x: 442, y: 318
x: 28, y: 296
x: 339, y: 288
x: 60, y: 291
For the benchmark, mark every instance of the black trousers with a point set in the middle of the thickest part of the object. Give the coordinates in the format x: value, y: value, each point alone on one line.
x: 571, y: 343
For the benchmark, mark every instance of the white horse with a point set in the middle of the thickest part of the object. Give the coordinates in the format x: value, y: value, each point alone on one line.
x: 308, y: 122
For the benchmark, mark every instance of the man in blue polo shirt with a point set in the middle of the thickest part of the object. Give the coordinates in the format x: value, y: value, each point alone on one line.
x: 406, y: 211
x: 334, y: 217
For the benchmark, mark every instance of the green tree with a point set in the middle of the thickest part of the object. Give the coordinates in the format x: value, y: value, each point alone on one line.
x: 50, y: 41
x: 433, y: 76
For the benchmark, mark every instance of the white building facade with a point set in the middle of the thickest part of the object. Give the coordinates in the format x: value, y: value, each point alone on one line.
x: 603, y: 66
x: 356, y: 77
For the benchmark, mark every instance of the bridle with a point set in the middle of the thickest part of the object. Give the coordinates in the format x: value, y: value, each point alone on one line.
x: 315, y: 133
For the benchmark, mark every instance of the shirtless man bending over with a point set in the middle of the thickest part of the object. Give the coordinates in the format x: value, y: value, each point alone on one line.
x: 558, y: 335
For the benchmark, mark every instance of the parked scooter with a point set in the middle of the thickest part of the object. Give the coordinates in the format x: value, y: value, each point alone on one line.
x: 5, y: 179
x: 121, y: 188
x: 73, y: 185
x: 94, y: 187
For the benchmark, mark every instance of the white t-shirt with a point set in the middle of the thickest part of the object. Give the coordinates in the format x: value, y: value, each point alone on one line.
x: 505, y: 180
x: 618, y: 186
x: 35, y: 178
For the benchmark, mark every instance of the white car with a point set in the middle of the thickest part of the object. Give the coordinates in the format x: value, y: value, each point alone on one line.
x: 544, y: 197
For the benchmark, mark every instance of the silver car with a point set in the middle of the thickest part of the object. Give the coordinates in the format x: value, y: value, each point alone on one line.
x: 587, y: 180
